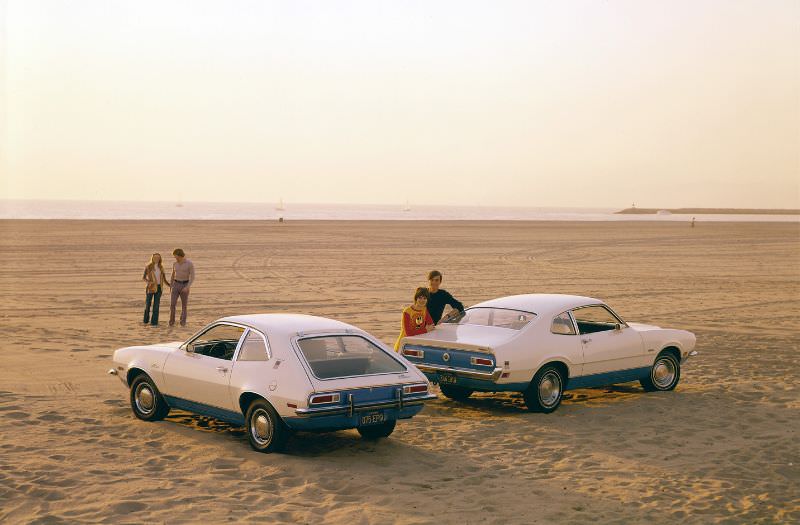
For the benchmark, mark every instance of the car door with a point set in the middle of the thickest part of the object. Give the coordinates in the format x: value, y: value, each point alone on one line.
x: 608, y: 343
x: 199, y: 371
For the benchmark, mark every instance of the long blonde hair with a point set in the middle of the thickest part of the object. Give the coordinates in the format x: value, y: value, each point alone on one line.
x: 152, y: 263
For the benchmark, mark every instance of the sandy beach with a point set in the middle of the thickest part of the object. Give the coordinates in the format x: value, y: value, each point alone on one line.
x: 724, y: 447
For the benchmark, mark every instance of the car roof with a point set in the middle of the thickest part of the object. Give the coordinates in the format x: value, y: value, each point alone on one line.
x: 539, y: 303
x: 290, y: 324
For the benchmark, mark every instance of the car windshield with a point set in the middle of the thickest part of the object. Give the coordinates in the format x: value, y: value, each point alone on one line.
x: 346, y: 355
x: 500, y: 317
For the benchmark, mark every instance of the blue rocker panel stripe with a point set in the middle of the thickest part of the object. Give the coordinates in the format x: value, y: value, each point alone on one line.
x: 228, y: 416
x: 593, y: 380
x: 608, y: 378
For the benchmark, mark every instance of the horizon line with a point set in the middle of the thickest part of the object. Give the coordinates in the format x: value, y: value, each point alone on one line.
x: 399, y: 204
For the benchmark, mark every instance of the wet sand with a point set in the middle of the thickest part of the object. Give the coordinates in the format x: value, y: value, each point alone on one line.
x: 722, y: 448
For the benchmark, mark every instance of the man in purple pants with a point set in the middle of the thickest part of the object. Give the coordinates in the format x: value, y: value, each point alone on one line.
x: 181, y: 280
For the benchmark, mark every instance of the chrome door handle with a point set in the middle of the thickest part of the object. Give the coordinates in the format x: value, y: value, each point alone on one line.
x: 587, y: 340
x: 222, y: 369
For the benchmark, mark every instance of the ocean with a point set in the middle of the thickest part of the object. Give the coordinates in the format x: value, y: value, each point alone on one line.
x: 116, y: 210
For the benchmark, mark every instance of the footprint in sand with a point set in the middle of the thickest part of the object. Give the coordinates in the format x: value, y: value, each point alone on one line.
x: 128, y: 506
x: 224, y: 465
x: 17, y: 415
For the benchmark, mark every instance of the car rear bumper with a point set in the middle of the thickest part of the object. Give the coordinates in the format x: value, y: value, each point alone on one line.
x: 330, y: 422
x: 353, y: 408
x: 350, y: 416
x: 432, y: 370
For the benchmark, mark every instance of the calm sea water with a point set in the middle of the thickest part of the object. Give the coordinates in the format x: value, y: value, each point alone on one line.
x: 104, y: 210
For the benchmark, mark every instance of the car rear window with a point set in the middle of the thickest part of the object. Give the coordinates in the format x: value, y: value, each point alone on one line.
x: 346, y: 355
x: 500, y: 317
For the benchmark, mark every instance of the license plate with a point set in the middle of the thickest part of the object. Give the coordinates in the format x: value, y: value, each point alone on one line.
x: 447, y: 379
x: 373, y: 418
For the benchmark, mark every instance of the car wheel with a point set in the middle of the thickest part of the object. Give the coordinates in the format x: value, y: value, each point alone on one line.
x: 545, y: 391
x: 664, y: 374
x: 146, y: 400
x: 459, y: 393
x: 377, y: 431
x: 265, y: 429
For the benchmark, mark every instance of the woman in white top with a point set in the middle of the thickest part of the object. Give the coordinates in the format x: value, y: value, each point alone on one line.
x: 155, y: 277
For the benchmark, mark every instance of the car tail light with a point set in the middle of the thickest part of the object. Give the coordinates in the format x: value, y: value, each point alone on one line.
x: 412, y: 352
x: 322, y: 399
x: 415, y: 389
x: 481, y: 361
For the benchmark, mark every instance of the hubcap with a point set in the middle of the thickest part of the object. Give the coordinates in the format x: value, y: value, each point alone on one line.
x: 261, y: 427
x: 549, y: 389
x: 664, y: 373
x: 145, y: 400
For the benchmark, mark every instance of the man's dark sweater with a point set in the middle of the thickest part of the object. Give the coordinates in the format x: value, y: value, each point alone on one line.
x: 437, y: 302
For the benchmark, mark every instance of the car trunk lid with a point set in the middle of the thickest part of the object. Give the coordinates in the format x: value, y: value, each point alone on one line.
x: 466, y: 337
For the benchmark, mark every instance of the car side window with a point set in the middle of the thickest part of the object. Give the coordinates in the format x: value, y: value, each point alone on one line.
x: 562, y: 325
x: 218, y: 341
x: 596, y: 318
x: 253, y: 348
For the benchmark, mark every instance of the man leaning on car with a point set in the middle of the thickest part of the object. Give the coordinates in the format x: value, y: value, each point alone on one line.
x: 439, y: 297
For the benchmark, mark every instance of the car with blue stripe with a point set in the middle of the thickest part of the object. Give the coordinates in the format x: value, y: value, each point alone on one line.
x: 544, y: 344
x: 276, y: 374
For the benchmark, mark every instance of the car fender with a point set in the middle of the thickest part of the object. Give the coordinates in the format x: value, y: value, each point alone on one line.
x: 657, y: 340
x: 148, y: 359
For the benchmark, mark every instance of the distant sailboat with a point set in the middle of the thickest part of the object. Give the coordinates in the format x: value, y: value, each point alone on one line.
x: 407, y: 207
x: 280, y: 207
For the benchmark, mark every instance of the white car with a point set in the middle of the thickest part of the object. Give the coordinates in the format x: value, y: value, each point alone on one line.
x: 276, y: 373
x: 543, y: 344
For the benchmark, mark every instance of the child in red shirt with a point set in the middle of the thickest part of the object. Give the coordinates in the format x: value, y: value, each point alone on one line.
x: 416, y: 319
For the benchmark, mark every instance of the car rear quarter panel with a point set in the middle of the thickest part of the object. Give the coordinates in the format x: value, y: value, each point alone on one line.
x: 281, y: 380
x: 535, y: 348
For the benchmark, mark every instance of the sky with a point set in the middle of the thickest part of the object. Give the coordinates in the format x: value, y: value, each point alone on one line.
x: 599, y: 103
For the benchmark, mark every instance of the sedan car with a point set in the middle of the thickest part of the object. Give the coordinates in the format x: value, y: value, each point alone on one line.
x: 276, y: 373
x: 543, y: 344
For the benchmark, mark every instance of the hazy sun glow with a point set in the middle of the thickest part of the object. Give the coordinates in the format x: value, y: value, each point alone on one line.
x: 591, y: 103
